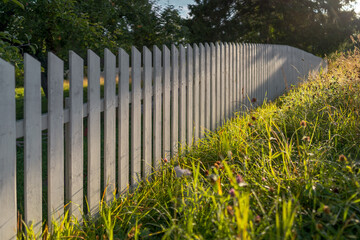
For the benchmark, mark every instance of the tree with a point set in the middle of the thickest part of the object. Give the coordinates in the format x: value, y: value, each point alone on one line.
x: 318, y: 26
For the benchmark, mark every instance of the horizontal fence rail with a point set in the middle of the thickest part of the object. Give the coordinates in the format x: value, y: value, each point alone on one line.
x: 166, y: 99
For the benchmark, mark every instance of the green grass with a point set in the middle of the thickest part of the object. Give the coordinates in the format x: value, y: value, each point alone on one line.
x: 285, y: 170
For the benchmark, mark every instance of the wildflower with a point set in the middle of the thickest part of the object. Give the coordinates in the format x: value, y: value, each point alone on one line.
x: 181, y: 172
x: 253, y: 100
x: 253, y: 118
x: 232, y: 192
x: 239, y: 179
x: 250, y: 124
x: 303, y: 123
x: 257, y: 219
x: 207, y: 173
x: 263, y: 179
x: 230, y: 210
x: 342, y: 158
x: 216, y: 165
x: 326, y: 209
x: 165, y: 160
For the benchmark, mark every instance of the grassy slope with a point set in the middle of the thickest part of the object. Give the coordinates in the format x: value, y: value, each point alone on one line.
x: 289, y: 169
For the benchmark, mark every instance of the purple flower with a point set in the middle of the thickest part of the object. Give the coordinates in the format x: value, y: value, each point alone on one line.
x: 239, y: 179
x: 232, y: 192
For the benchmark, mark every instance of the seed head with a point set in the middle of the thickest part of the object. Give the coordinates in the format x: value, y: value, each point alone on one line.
x: 216, y: 165
x: 342, y: 158
x: 253, y: 118
x: 303, y: 123
x: 319, y: 226
x: 230, y: 210
x: 253, y: 100
x: 207, y: 173
x: 165, y: 160
x: 250, y: 124
x: 306, y: 138
x: 326, y: 209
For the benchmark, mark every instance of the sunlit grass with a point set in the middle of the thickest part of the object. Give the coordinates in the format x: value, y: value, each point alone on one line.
x: 293, y: 173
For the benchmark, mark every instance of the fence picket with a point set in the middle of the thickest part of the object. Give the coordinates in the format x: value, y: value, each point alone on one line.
x: 218, y: 101
x: 166, y: 102
x: 94, y: 167
x: 55, y: 138
x: 189, y: 95
x: 203, y: 85
x: 208, y: 81
x: 147, y: 109
x: 109, y: 125
x: 157, y: 106
x: 123, y: 116
x: 33, y: 142
x: 75, y: 157
x: 8, y: 220
x: 135, y: 116
x: 182, y: 97
x: 174, y: 100
x: 196, y: 92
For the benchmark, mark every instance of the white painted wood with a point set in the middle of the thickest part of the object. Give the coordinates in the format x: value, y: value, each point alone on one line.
x: 109, y: 125
x: 204, y: 83
x: 232, y: 79
x: 222, y: 83
x: 123, y: 116
x: 75, y: 159
x: 93, y: 127
x: 243, y: 76
x: 55, y: 138
x: 219, y: 107
x: 166, y: 102
x: 182, y: 96
x: 8, y: 220
x: 157, y: 89
x: 147, y: 109
x: 208, y: 85
x: 135, y: 116
x: 174, y: 100
x: 211, y: 96
x: 33, y: 142
x: 196, y: 92
x: 189, y: 95
x: 226, y: 82
x: 236, y: 77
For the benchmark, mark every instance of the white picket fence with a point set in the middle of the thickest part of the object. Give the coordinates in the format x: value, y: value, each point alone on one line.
x: 175, y: 95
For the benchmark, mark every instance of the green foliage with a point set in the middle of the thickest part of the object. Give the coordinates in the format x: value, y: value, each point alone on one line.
x: 315, y: 26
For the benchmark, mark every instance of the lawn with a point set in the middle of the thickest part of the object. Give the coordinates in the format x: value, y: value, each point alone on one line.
x: 288, y: 169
